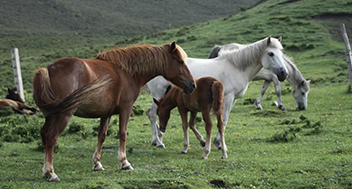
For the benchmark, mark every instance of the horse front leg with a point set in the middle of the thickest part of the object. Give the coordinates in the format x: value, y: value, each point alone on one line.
x: 125, y: 113
x: 103, y: 129
x: 156, y: 134
x: 262, y: 92
x: 50, y: 132
x: 183, y: 113
x: 208, y: 128
x: 192, y: 125
x: 278, y: 94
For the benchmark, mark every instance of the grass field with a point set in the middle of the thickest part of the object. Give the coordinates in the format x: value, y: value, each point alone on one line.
x: 267, y: 149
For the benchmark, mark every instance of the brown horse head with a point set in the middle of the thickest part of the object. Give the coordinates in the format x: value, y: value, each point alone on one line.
x: 13, y: 95
x: 163, y: 112
x: 178, y: 72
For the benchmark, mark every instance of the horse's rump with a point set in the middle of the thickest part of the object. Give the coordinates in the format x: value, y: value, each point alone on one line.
x: 46, y: 100
x: 218, y: 98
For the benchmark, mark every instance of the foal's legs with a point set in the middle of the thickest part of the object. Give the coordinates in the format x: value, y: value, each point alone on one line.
x: 221, y: 130
x: 183, y: 113
x: 103, y: 129
x: 125, y: 113
x: 50, y: 132
x: 229, y: 103
x: 262, y: 92
x: 192, y: 121
x: 208, y: 127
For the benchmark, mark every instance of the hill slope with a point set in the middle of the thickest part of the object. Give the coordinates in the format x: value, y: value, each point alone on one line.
x: 124, y: 18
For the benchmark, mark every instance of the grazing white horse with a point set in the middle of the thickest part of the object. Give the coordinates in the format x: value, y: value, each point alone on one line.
x: 295, y: 78
x: 234, y: 68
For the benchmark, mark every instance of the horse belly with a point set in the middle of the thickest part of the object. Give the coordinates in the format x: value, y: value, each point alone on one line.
x: 95, y: 108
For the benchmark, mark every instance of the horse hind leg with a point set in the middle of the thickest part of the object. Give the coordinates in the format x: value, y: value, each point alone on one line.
x: 262, y: 92
x: 103, y: 129
x: 50, y: 132
x: 221, y: 130
x: 192, y: 125
x: 208, y: 128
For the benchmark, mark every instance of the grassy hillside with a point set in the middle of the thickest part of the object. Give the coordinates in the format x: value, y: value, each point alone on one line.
x: 124, y: 18
x: 267, y: 149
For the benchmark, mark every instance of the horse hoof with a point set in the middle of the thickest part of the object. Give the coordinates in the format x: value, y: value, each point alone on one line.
x: 54, y: 179
x: 183, y: 152
x: 126, y: 168
x: 281, y: 107
x: 216, y: 144
x: 98, y: 168
x: 161, y: 146
x: 224, y: 157
x: 202, y: 143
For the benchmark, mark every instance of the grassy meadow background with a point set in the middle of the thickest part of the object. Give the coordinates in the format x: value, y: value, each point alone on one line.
x: 267, y: 149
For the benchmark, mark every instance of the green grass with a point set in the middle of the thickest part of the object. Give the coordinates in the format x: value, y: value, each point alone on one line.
x: 267, y: 149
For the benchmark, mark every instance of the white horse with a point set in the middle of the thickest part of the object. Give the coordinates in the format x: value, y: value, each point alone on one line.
x: 295, y: 78
x: 234, y: 68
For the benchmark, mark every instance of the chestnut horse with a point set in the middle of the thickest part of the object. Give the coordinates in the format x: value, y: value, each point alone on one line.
x: 14, y: 100
x: 17, y: 107
x: 208, y: 95
x: 100, y: 88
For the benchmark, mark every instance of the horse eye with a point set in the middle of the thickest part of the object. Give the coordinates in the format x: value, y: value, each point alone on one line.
x: 270, y: 53
x: 303, y: 94
x: 180, y: 61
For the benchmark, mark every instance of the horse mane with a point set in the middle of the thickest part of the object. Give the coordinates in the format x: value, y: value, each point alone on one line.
x: 141, y: 59
x: 294, y: 74
x: 245, y: 56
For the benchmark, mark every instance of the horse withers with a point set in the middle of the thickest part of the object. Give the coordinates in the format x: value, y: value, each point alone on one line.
x: 208, y: 95
x: 100, y: 88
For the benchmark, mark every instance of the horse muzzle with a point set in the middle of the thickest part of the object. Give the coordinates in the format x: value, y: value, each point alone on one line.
x: 282, y: 74
x: 301, y: 107
x: 163, y: 130
x: 189, y: 87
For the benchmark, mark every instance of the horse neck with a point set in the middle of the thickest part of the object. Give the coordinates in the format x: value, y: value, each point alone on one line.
x: 248, y: 58
x: 170, y: 100
x: 295, y: 77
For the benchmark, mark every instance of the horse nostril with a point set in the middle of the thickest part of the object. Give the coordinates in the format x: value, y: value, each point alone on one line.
x: 193, y: 86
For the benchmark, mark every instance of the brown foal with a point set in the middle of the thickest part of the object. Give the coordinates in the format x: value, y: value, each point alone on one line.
x: 100, y: 88
x: 208, y: 95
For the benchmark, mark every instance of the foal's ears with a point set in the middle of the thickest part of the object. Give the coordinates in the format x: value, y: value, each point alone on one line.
x: 156, y: 102
x: 173, y: 47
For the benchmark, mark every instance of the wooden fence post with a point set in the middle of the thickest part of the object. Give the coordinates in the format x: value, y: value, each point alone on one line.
x: 17, y: 72
x: 348, y: 49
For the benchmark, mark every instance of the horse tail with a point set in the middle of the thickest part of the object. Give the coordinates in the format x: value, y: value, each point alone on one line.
x: 46, y: 100
x: 214, y: 52
x: 218, y: 98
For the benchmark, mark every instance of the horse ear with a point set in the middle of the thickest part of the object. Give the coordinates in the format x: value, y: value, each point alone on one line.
x: 156, y: 102
x: 173, y: 46
x: 8, y: 90
x: 280, y: 39
x: 268, y: 41
x: 303, y: 82
x: 308, y: 81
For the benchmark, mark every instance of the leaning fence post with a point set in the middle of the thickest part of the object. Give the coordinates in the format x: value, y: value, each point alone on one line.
x: 17, y: 72
x: 348, y: 49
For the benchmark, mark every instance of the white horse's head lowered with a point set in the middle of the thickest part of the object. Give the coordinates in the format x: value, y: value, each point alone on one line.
x: 300, y: 93
x: 272, y: 58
